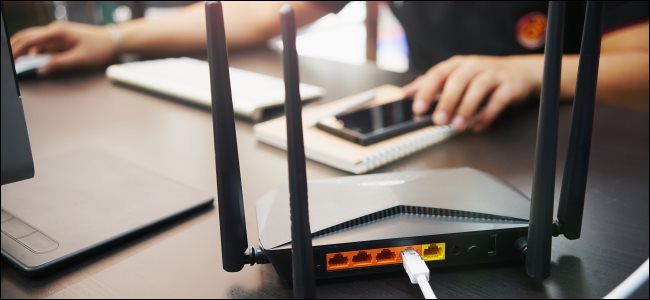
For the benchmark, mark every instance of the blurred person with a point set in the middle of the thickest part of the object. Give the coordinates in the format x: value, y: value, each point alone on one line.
x: 477, y: 57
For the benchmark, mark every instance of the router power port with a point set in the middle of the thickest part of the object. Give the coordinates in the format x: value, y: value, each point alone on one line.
x: 492, y: 245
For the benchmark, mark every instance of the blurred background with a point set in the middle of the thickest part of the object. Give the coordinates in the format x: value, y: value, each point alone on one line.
x: 365, y: 31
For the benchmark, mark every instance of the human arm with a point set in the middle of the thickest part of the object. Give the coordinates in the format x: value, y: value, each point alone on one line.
x: 81, y: 46
x: 463, y: 82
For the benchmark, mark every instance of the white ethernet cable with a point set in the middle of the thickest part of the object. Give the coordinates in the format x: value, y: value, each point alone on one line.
x: 417, y: 271
x: 631, y: 284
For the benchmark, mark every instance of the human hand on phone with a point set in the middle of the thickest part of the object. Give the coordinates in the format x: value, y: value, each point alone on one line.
x: 463, y: 82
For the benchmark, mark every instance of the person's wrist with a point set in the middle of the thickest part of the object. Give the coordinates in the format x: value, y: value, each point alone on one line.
x: 531, y: 67
x: 116, y: 39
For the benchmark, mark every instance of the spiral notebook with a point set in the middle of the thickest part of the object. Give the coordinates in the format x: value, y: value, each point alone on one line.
x: 342, y: 154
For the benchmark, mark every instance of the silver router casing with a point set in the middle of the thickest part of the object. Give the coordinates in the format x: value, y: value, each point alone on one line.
x: 478, y: 216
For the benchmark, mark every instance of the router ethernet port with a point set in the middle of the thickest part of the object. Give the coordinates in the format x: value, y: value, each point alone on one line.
x: 385, y: 256
x: 338, y: 260
x: 362, y: 258
x: 435, y: 251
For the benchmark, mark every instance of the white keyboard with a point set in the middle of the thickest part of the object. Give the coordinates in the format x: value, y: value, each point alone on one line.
x: 189, y: 79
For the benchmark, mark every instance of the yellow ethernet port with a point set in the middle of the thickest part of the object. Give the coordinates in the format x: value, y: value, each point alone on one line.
x: 435, y: 251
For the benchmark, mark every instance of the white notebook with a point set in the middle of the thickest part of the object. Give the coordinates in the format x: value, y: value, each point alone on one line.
x: 188, y: 79
x: 342, y: 154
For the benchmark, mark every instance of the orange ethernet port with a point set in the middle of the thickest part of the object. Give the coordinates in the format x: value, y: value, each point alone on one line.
x: 337, y: 261
x: 362, y: 258
x: 385, y: 256
x: 367, y: 257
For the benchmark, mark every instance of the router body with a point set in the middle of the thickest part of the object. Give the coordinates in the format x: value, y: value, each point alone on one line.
x: 360, y: 224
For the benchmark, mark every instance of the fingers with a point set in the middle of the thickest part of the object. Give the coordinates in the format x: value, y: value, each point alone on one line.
x: 47, y: 48
x: 498, y: 101
x: 481, y: 87
x: 60, y: 63
x: 36, y: 37
x: 431, y: 84
x: 465, y: 81
x: 453, y: 91
x: 411, y: 88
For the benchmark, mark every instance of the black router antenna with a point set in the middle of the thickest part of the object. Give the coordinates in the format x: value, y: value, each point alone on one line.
x: 304, y: 285
x: 541, y: 228
x: 232, y: 220
x: 574, y: 181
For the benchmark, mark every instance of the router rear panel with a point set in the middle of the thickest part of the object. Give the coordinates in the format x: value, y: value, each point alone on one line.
x: 470, y: 248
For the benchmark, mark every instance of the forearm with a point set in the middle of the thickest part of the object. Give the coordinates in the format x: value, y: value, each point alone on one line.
x: 180, y: 32
x: 247, y: 24
x: 622, y: 77
x: 623, y: 68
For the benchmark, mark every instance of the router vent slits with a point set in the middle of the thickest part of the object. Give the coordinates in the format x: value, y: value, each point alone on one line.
x: 413, y: 210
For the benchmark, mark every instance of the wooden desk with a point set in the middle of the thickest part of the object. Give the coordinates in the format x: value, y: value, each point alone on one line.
x: 183, y: 260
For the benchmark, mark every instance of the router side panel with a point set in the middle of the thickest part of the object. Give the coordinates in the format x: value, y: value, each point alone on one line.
x: 458, y: 249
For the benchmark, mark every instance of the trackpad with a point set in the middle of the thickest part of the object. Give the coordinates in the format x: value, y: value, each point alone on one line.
x: 80, y: 201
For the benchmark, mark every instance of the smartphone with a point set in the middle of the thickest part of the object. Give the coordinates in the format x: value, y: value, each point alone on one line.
x: 373, y: 124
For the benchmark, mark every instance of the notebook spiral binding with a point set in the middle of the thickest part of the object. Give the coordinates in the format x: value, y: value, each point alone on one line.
x: 426, y: 138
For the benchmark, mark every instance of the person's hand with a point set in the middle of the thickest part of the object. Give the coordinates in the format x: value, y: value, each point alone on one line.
x: 464, y: 82
x: 73, y: 45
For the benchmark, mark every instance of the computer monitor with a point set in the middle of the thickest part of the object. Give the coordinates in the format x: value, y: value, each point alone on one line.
x: 17, y: 163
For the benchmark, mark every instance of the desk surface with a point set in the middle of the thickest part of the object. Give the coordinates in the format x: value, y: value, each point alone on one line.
x: 183, y: 259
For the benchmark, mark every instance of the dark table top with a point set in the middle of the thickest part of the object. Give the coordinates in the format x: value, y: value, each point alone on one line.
x: 183, y: 259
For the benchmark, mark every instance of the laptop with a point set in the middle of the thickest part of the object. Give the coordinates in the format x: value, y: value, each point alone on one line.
x: 78, y: 202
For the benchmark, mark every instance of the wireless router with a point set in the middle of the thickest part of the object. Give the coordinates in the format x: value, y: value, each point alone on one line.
x: 360, y: 224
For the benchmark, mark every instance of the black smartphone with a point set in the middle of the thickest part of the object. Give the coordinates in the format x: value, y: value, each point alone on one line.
x: 373, y: 124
